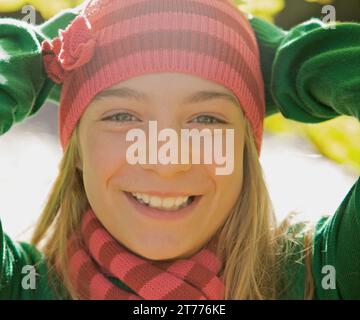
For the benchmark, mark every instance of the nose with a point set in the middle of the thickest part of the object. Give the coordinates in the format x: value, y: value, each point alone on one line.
x: 165, y: 156
x: 167, y: 170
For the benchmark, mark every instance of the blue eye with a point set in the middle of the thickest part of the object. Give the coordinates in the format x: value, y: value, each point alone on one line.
x: 206, y: 119
x: 122, y: 117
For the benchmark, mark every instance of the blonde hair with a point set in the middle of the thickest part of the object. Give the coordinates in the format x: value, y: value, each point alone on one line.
x: 249, y: 240
x: 253, y: 245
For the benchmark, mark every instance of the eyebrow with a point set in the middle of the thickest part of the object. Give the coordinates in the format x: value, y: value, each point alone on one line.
x: 200, y: 96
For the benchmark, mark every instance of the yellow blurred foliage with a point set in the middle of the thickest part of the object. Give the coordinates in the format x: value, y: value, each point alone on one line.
x: 11, y: 5
x: 337, y: 139
x: 261, y: 8
x: 323, y: 2
x: 47, y: 8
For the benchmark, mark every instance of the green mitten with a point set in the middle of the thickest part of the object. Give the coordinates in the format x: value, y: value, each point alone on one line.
x: 24, y: 85
x: 315, y: 71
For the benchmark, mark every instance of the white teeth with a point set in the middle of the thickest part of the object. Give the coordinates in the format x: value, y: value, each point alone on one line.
x: 155, y: 202
x: 161, y: 203
x: 180, y: 200
x: 168, y: 203
x: 146, y: 198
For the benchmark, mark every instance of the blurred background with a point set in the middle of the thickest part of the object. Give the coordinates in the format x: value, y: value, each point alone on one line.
x: 308, y: 168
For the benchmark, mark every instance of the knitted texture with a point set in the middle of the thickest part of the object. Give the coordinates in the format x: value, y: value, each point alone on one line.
x: 112, y: 41
x: 24, y: 85
x: 95, y: 256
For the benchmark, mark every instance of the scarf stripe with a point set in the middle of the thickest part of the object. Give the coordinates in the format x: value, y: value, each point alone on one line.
x: 94, y: 256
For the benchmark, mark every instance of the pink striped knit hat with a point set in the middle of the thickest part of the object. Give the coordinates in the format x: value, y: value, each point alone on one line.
x: 111, y: 41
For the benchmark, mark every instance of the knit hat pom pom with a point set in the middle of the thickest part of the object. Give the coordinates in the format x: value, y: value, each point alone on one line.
x: 74, y: 48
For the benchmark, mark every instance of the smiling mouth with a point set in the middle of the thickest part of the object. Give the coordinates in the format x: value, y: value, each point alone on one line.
x: 162, y: 203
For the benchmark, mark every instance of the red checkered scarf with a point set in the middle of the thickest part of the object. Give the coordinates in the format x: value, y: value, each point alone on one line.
x: 94, y: 256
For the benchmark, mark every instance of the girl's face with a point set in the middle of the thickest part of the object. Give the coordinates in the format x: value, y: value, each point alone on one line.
x: 159, y: 211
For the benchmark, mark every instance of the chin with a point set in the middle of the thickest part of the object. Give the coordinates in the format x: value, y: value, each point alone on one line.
x: 158, y: 257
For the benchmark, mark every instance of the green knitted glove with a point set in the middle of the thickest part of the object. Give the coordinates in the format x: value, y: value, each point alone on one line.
x: 311, y: 73
x: 24, y: 85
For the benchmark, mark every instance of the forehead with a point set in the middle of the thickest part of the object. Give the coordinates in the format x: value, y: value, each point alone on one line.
x: 174, y: 86
x: 170, y: 79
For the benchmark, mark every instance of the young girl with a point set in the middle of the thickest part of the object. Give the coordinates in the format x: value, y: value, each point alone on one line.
x: 117, y: 230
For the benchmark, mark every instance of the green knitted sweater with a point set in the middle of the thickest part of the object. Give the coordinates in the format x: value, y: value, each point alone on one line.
x: 311, y: 74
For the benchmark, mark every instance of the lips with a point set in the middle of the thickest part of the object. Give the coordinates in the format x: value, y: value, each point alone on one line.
x: 162, y: 203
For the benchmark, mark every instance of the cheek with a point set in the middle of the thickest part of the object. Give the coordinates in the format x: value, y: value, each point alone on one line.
x: 231, y: 158
x: 103, y: 155
x: 228, y: 187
